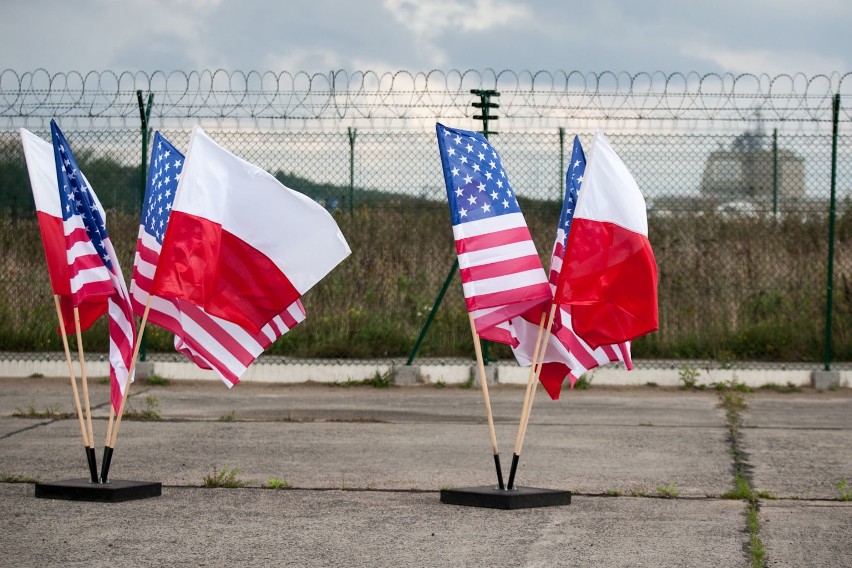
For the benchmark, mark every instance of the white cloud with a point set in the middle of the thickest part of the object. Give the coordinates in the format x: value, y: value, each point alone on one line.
x: 765, y: 61
x: 428, y: 18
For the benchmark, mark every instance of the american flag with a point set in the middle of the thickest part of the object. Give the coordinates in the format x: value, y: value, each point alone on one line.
x: 568, y: 356
x: 209, y: 341
x: 501, y: 272
x: 92, y: 261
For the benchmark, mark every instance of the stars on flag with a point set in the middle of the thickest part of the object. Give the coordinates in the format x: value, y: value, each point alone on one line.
x: 481, y: 187
x: 162, y: 185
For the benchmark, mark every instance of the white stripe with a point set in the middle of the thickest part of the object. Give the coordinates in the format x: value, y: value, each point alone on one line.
x: 89, y: 276
x: 507, y: 283
x: 497, y: 254
x: 117, y: 315
x: 488, y: 225
x: 81, y: 248
x: 200, y: 335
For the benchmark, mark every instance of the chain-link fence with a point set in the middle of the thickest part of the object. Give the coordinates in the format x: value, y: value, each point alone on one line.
x: 736, y: 171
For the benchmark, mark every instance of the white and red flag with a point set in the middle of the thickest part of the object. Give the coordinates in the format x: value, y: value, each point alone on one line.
x: 566, y: 355
x: 92, y: 263
x: 41, y: 166
x: 501, y: 272
x: 609, y: 278
x: 239, y: 244
x: 209, y: 341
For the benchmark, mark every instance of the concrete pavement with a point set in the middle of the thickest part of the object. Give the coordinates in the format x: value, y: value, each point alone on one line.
x: 365, y: 467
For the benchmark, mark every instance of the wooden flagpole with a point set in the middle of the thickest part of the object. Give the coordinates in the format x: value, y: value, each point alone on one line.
x: 93, y: 466
x: 483, y: 381
x: 532, y: 386
x: 112, y: 433
x: 87, y: 443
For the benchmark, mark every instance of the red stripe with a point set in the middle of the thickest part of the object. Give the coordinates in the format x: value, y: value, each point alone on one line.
x: 569, y: 339
x: 496, y: 334
x: 86, y: 262
x: 538, y: 291
x: 500, y: 268
x: 223, y: 370
x: 223, y: 338
x: 491, y: 240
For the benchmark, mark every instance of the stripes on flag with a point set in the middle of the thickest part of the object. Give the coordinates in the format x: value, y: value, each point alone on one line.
x: 501, y: 272
x: 209, y: 341
x: 93, y: 264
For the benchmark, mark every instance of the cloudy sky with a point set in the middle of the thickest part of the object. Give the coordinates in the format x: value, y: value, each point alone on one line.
x: 736, y: 36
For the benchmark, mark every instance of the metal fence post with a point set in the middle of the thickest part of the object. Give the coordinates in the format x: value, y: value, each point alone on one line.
x: 352, y: 134
x: 561, y: 185
x: 775, y: 173
x: 144, y: 116
x: 831, y: 214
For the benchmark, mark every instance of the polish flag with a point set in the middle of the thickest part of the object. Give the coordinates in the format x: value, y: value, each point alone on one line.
x: 609, y: 278
x: 41, y: 166
x: 239, y: 244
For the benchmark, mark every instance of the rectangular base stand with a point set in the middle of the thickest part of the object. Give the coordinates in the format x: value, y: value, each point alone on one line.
x: 110, y: 492
x: 495, y: 498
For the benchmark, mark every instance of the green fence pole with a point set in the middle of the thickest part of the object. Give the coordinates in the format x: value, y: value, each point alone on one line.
x: 352, y: 134
x: 775, y: 173
x: 831, y: 214
x: 432, y: 313
x: 561, y: 164
x: 144, y: 116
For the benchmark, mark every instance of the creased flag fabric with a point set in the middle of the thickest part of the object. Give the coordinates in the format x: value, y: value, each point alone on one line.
x: 610, y: 277
x: 567, y: 355
x: 210, y: 342
x: 92, y: 262
x: 239, y: 244
x: 501, y: 272
x: 41, y: 166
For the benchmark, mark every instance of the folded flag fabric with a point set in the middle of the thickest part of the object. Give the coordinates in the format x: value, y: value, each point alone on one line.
x: 239, y: 244
x: 41, y: 166
x: 502, y: 275
x: 566, y: 355
x: 93, y: 265
x: 209, y: 341
x: 610, y: 276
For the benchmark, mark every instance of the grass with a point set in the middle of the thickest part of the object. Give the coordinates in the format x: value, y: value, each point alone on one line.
x: 784, y: 389
x: 378, y: 380
x: 712, y: 305
x: 613, y: 493
x: 741, y: 490
x: 18, y: 478
x: 230, y: 417
x: 755, y: 545
x: 439, y: 384
x: 583, y: 383
x: 151, y: 413
x: 156, y: 380
x: 52, y: 411
x: 669, y: 490
x: 688, y: 377
x: 277, y: 483
x: 224, y: 478
x: 844, y: 490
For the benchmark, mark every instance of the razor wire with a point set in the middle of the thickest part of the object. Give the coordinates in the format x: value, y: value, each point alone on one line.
x: 407, y: 99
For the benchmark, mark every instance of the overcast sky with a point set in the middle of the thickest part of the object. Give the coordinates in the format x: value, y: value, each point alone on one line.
x: 736, y: 36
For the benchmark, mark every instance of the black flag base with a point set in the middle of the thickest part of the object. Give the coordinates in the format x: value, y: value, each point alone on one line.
x: 496, y: 498
x: 83, y: 489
